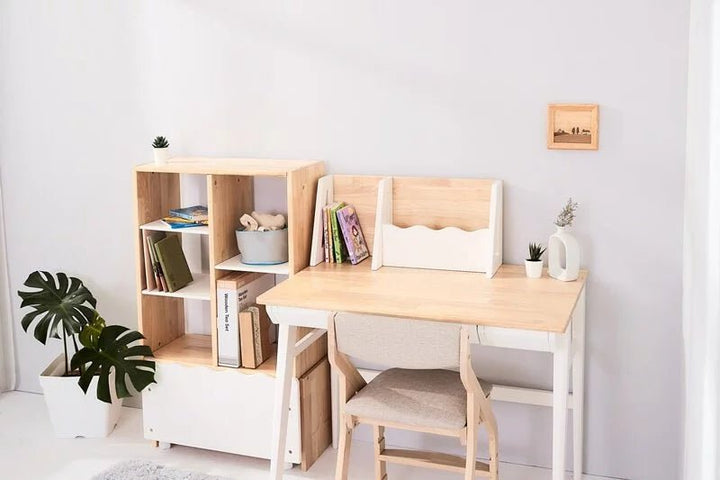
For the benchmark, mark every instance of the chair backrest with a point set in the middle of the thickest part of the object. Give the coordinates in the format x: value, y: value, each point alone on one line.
x: 398, y: 342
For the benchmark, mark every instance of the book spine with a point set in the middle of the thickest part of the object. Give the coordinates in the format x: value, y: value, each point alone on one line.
x: 331, y: 248
x: 247, y: 353
x: 257, y: 337
x: 186, y: 216
x: 347, y: 235
x: 337, y: 244
x: 227, y: 325
x: 326, y: 238
x: 157, y: 270
x: 149, y: 268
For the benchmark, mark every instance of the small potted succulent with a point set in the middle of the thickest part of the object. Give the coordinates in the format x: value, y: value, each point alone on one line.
x: 63, y: 308
x: 161, y: 149
x: 534, y: 262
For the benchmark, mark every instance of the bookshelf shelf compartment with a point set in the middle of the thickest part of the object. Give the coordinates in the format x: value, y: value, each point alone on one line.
x: 235, y: 264
x: 159, y: 226
x: 195, y: 349
x: 198, y: 289
x: 189, y: 349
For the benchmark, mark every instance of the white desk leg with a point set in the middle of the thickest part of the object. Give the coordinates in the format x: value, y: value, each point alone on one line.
x: 335, y: 406
x: 286, y: 353
x: 578, y: 384
x: 561, y: 364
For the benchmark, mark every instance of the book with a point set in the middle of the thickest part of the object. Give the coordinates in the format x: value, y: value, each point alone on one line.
x: 339, y: 249
x: 151, y: 274
x: 175, y: 269
x: 236, y: 292
x: 196, y: 213
x: 326, y: 238
x: 328, y: 227
x: 179, y: 222
x: 352, y: 233
x: 157, y: 268
x: 254, y: 336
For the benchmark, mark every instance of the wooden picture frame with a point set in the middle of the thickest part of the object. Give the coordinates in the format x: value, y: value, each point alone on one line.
x: 572, y: 126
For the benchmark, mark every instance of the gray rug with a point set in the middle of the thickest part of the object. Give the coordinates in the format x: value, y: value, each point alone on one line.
x: 145, y: 470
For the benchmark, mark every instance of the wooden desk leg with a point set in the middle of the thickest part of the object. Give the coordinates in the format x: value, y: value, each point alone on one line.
x: 283, y: 376
x: 578, y: 384
x: 561, y: 365
x: 335, y: 406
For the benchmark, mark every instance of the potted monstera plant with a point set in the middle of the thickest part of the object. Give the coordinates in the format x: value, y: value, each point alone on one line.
x: 102, y: 360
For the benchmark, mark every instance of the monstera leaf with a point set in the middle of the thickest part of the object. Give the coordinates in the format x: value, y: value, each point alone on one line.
x: 63, y: 303
x: 111, y: 349
x: 90, y: 334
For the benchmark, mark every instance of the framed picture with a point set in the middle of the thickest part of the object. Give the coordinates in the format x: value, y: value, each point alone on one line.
x: 572, y: 126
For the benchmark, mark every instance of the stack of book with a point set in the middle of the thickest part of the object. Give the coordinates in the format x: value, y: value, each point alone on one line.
x: 166, y: 268
x: 342, y: 236
x: 243, y: 327
x: 194, y: 216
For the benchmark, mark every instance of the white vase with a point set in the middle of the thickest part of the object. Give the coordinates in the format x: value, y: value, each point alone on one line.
x: 533, y: 268
x: 161, y: 155
x: 561, y: 241
x: 74, y: 413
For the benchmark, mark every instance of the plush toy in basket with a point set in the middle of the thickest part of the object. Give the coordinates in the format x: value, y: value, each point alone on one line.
x: 263, y: 239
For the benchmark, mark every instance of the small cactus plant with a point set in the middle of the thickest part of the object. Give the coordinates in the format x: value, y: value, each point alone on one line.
x: 160, y: 142
x: 567, y: 214
x: 535, y: 250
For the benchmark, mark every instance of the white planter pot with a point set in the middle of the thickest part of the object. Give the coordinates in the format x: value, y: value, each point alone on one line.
x: 161, y: 155
x: 562, y: 242
x: 533, y: 268
x: 72, y: 413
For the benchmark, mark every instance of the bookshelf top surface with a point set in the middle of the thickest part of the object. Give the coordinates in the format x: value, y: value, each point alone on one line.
x: 226, y: 166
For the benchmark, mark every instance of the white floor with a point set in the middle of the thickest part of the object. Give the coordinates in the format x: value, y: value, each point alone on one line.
x: 29, y: 451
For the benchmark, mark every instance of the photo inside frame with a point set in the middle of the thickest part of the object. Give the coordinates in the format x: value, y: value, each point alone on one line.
x: 572, y: 126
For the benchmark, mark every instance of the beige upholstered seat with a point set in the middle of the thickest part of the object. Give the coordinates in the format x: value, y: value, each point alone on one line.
x: 430, y: 387
x: 422, y: 398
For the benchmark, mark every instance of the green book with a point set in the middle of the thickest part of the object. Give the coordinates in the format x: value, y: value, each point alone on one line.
x: 172, y: 260
x: 338, y: 241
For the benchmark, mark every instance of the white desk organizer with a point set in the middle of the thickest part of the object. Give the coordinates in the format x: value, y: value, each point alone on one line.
x: 448, y: 248
x: 416, y: 245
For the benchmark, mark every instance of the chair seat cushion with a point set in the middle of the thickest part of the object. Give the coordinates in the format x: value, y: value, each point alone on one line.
x: 421, y: 398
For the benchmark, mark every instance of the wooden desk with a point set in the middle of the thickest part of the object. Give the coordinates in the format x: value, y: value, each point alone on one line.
x: 509, y: 311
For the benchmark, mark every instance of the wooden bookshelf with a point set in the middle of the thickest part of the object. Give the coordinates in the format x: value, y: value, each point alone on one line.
x: 230, y: 193
x: 185, y: 357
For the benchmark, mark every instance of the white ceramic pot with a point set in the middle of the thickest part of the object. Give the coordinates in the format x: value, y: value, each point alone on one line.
x: 161, y: 155
x: 561, y: 242
x: 72, y: 412
x: 533, y: 268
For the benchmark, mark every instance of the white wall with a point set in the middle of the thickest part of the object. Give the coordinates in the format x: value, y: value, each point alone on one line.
x: 411, y: 87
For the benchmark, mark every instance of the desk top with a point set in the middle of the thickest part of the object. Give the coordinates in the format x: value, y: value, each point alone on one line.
x: 508, y: 300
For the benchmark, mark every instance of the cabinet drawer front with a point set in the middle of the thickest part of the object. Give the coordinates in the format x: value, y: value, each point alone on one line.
x: 217, y: 409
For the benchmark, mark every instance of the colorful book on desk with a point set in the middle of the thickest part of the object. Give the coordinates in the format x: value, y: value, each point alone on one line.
x: 172, y: 260
x: 196, y: 213
x: 352, y: 233
x: 338, y: 250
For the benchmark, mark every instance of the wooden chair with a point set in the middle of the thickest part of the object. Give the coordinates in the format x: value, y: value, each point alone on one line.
x: 434, y: 393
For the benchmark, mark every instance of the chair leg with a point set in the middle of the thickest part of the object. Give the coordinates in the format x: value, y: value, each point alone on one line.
x: 343, y: 454
x: 380, y: 467
x: 493, y: 451
x: 472, y: 429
